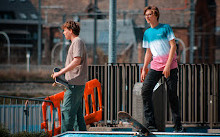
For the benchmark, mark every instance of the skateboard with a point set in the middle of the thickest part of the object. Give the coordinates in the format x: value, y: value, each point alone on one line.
x: 60, y: 79
x: 124, y: 116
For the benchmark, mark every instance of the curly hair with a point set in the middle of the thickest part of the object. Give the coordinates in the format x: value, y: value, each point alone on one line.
x: 72, y: 25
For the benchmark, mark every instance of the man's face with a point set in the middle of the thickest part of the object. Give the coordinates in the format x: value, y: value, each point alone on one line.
x: 149, y: 16
x: 67, y: 33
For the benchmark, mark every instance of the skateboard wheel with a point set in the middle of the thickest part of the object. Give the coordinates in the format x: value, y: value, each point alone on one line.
x: 135, y: 134
x: 54, y: 84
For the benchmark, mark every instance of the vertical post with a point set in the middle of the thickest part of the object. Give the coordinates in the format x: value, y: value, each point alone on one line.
x: 112, y: 58
x: 26, y: 112
x: 64, y: 45
x: 112, y: 45
x: 8, y: 43
x: 145, y: 22
x: 28, y: 60
x: 95, y: 33
x: 192, y: 31
x: 39, y: 32
x: 106, y: 91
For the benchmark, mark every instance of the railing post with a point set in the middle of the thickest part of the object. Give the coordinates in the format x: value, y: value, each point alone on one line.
x: 111, y: 87
x: 118, y: 89
x: 196, y: 94
x: 26, y: 112
x: 215, y: 93
x: 210, y: 114
x: 202, y: 93
x: 105, y: 94
x: 189, y: 105
x: 53, y: 123
x: 184, y: 94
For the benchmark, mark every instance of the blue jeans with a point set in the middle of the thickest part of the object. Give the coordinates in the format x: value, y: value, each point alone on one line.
x: 72, y: 115
x: 150, y: 81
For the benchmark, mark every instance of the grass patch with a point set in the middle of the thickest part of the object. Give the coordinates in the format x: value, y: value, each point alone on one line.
x: 4, y: 132
x: 23, y: 75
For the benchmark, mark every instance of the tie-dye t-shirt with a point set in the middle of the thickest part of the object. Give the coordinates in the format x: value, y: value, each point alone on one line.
x: 157, y: 39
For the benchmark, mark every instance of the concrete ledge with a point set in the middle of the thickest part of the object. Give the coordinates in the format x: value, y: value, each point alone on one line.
x: 213, y: 130
x: 109, y: 129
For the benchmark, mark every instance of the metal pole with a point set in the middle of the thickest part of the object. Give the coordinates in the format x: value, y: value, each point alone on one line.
x: 112, y: 58
x: 145, y: 22
x: 64, y: 45
x: 95, y: 34
x: 192, y: 31
x: 39, y: 33
x: 8, y: 41
x: 184, y: 50
x: 28, y: 60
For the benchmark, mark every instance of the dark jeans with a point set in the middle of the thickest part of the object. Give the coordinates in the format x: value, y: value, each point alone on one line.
x: 150, y: 81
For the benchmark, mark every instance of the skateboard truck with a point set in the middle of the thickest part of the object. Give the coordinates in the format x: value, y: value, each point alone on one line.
x: 124, y: 116
x: 60, y: 80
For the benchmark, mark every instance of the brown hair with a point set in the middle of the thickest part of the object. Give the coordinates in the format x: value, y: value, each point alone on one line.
x: 154, y: 10
x: 71, y: 25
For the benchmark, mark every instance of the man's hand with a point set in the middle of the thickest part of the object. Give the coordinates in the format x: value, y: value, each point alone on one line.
x: 55, y: 74
x: 166, y: 71
x: 143, y: 75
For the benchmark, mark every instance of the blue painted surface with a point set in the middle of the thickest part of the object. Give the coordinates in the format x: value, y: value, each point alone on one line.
x: 122, y: 129
x: 100, y: 135
x: 191, y: 129
x: 95, y: 135
x: 133, y: 134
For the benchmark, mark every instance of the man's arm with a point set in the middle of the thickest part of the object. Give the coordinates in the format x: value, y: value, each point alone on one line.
x: 76, y: 61
x: 172, y: 52
x: 147, y: 59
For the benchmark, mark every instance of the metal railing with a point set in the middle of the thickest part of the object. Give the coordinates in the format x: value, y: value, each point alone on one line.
x: 23, y: 114
x: 198, y: 91
x: 117, y: 83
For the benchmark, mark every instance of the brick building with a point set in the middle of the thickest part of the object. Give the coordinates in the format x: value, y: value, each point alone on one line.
x: 18, y: 22
x: 174, y: 12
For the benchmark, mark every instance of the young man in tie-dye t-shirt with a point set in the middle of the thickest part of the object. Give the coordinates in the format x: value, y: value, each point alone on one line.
x: 159, y: 40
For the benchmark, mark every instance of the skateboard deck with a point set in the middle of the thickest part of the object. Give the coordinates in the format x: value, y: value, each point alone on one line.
x: 60, y: 79
x: 124, y: 116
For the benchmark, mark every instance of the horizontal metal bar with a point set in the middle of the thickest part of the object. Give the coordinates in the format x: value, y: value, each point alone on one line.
x: 23, y: 98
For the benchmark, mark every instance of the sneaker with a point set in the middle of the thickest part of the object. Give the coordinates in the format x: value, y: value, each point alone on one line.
x: 178, y: 129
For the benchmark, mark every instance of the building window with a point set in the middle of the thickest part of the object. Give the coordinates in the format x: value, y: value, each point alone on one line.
x: 34, y: 16
x: 23, y: 16
x: 7, y: 15
x: 200, y: 23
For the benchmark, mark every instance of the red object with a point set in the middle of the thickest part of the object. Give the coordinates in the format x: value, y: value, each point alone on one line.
x: 96, y: 115
x: 90, y: 118
x: 56, y: 99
